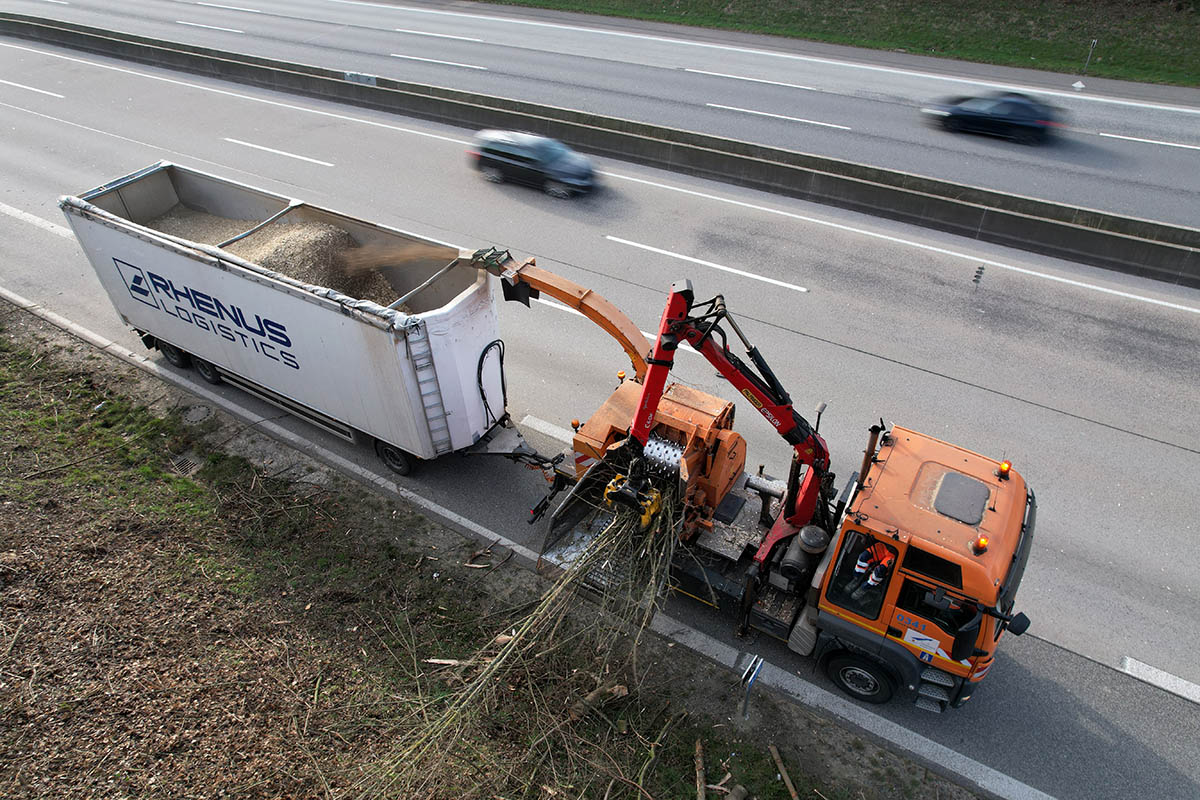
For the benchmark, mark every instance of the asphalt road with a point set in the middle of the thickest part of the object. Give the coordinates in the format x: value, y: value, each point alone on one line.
x: 1131, y: 149
x: 1085, y: 379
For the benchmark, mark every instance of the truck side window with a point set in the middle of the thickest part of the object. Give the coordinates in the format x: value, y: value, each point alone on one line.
x: 861, y: 575
x: 913, y: 600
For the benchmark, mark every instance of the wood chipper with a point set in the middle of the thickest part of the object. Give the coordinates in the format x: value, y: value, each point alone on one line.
x: 905, y: 581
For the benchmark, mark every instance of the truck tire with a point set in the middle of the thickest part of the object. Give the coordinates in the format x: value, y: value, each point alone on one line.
x: 207, y: 371
x: 860, y: 678
x: 394, y: 458
x: 174, y: 356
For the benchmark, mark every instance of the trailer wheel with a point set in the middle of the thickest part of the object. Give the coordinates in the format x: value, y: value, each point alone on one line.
x: 207, y: 371
x: 174, y: 356
x: 394, y: 458
x: 860, y: 678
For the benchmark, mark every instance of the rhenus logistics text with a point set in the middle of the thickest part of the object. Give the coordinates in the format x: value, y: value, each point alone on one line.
x: 266, y: 337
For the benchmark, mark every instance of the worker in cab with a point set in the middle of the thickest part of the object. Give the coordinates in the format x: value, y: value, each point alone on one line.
x: 871, y: 572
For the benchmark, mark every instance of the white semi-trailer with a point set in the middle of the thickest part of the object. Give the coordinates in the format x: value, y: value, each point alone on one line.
x: 420, y: 378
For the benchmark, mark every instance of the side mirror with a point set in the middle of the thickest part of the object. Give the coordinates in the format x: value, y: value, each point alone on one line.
x: 964, y: 640
x: 1018, y: 624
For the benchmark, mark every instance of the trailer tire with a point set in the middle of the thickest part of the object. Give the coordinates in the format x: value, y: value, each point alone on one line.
x: 394, y: 458
x: 860, y: 678
x: 207, y: 371
x: 174, y: 356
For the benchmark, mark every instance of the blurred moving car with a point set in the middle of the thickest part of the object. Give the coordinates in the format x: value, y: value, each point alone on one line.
x: 1010, y: 114
x: 533, y: 160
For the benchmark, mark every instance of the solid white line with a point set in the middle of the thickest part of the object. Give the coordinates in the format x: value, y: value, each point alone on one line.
x: 30, y: 88
x: 435, y: 61
x: 704, y: 263
x: 57, y: 2
x: 679, y: 189
x: 438, y: 35
x: 548, y: 429
x: 808, y: 694
x: 1144, y: 141
x: 1163, y: 680
x: 778, y: 116
x: 25, y: 216
x: 210, y: 27
x: 230, y: 8
x: 278, y: 152
x: 787, y: 56
x: 910, y: 243
x: 753, y: 80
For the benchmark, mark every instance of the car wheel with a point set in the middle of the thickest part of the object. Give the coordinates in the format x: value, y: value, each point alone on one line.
x: 952, y: 125
x: 862, y: 679
x: 394, y: 458
x: 174, y: 356
x: 557, y: 189
x: 493, y: 174
x: 207, y: 371
x: 1030, y: 137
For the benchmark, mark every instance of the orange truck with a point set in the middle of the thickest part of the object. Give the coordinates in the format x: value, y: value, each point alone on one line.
x: 904, y: 582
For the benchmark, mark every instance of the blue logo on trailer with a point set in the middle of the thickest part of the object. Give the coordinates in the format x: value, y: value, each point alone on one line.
x: 135, y: 282
x: 215, y: 315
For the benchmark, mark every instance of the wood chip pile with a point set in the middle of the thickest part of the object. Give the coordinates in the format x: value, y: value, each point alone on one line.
x: 311, y: 252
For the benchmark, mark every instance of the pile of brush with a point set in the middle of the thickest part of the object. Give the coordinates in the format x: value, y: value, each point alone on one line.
x: 519, y: 719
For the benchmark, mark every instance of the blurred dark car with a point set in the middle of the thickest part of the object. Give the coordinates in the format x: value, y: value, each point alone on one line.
x: 533, y: 160
x: 1012, y: 115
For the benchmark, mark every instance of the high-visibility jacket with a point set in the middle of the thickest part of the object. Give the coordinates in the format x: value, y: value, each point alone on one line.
x: 877, y: 555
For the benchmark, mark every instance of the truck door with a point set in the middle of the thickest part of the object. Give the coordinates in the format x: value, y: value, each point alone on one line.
x: 926, y: 626
x: 858, y: 585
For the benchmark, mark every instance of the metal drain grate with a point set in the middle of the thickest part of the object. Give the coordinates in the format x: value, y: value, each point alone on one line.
x: 186, y: 464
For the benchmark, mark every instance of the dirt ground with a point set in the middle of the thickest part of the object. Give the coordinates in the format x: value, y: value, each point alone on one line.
x: 178, y: 623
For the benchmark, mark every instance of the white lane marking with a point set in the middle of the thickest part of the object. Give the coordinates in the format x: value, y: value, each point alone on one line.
x: 230, y: 8
x: 223, y: 92
x: 548, y: 429
x: 910, y: 243
x: 1163, y: 680
x: 994, y: 782
x: 436, y: 61
x: 704, y: 263
x: 57, y: 2
x: 1138, y: 139
x: 752, y: 80
x: 778, y: 116
x: 30, y: 88
x: 787, y: 56
x: 278, y: 152
x: 680, y: 189
x: 25, y: 216
x: 209, y: 27
x: 438, y: 35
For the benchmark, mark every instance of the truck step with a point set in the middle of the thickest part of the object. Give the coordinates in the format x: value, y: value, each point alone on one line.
x: 935, y: 675
x: 929, y: 704
x: 933, y: 692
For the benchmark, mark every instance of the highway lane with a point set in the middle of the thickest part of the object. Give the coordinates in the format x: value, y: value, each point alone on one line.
x: 1132, y: 149
x: 1053, y: 374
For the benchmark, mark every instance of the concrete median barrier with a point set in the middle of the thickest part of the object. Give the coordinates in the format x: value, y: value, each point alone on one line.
x: 1150, y: 249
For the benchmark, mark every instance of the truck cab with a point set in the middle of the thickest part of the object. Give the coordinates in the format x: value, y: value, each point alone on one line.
x: 918, y: 587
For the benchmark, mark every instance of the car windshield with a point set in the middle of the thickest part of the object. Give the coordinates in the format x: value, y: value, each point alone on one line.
x: 981, y: 105
x: 552, y: 150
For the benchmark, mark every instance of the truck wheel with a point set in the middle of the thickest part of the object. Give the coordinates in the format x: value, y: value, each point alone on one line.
x: 860, y: 678
x: 207, y: 370
x: 394, y: 458
x: 174, y: 356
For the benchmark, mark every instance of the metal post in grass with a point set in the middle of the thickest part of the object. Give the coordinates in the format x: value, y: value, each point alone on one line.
x: 1091, y: 50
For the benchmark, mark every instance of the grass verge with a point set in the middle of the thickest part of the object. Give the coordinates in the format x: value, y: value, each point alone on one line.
x: 1136, y: 40
x: 176, y: 621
